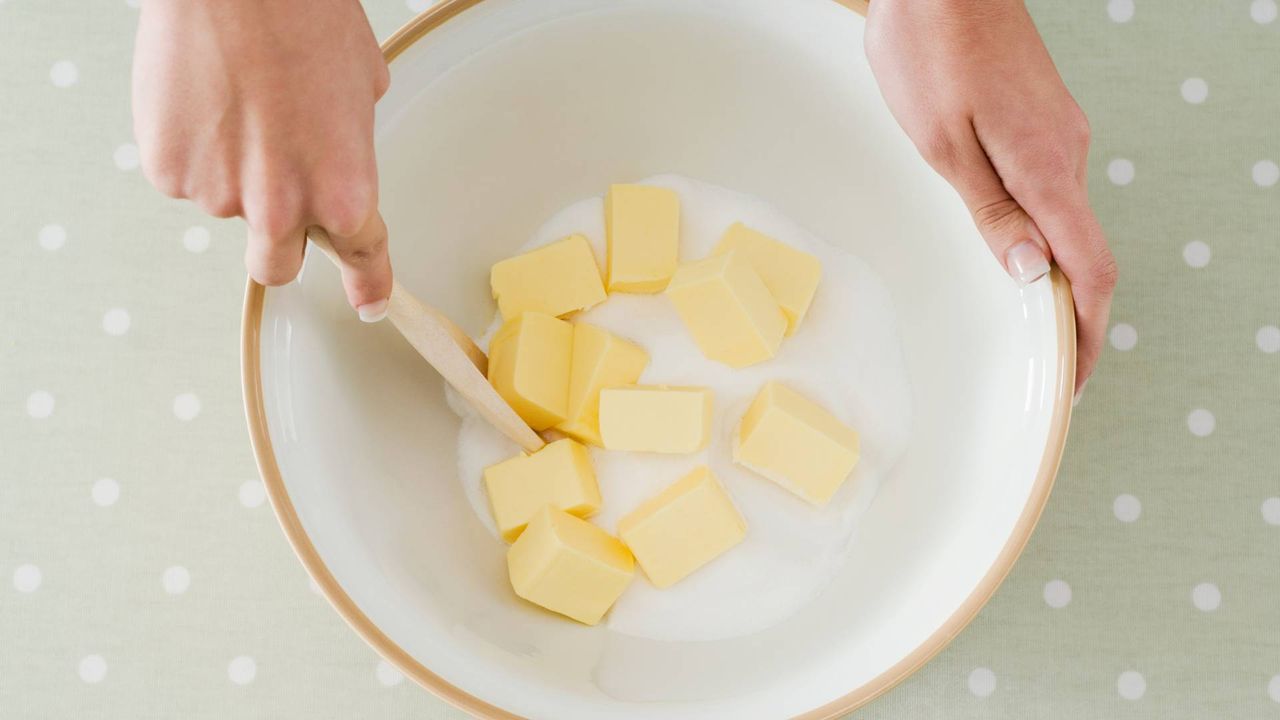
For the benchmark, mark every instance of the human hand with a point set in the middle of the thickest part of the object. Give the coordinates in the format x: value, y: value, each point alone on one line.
x: 975, y: 89
x: 265, y: 110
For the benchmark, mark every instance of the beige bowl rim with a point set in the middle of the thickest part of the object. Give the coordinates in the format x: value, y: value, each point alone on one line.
x: 282, y: 504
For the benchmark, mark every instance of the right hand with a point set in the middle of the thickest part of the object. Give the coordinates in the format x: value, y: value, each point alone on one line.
x: 973, y: 86
x: 264, y: 110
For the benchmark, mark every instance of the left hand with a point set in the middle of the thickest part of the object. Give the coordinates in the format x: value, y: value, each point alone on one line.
x: 975, y: 89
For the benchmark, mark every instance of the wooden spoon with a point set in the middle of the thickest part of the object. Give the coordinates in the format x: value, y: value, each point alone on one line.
x: 449, y: 350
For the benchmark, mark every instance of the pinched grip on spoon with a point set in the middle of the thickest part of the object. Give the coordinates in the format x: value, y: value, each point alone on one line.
x: 449, y: 350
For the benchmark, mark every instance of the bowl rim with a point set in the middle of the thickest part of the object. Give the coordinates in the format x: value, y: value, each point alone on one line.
x: 300, y: 541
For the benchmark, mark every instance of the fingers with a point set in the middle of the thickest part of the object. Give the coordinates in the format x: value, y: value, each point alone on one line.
x: 1081, y: 251
x: 366, y: 267
x: 1008, y: 230
x: 1047, y: 176
x: 1048, y: 217
x: 344, y: 201
x: 274, y: 260
x: 273, y: 211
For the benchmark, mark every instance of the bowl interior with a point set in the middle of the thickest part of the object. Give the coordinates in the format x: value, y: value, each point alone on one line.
x: 512, y: 110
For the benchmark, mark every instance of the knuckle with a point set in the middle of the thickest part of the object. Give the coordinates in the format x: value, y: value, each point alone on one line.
x: 222, y: 203
x: 381, y: 78
x: 999, y: 215
x: 1101, y: 273
x: 1105, y: 271
x: 1078, y: 126
x: 271, y: 265
x: 366, y: 253
x: 272, y: 276
x: 275, y: 216
x: 345, y: 211
x: 165, y: 172
x: 938, y: 149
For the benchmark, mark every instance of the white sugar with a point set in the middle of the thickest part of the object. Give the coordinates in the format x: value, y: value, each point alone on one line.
x: 846, y: 355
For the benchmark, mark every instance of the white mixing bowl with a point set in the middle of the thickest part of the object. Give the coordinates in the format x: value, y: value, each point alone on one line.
x: 502, y: 112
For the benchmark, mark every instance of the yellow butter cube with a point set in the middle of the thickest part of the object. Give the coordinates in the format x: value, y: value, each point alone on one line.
x: 796, y: 443
x: 559, y: 475
x: 681, y: 529
x: 642, y: 233
x: 727, y: 308
x: 529, y: 360
x: 656, y: 418
x: 791, y: 275
x: 600, y: 359
x: 569, y: 566
x: 555, y: 279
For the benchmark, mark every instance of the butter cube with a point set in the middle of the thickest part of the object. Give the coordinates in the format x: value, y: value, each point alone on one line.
x: 555, y: 279
x: 794, y: 442
x: 791, y: 275
x: 529, y: 367
x: 732, y: 316
x: 559, y: 475
x: 600, y: 359
x: 656, y: 418
x: 569, y: 566
x: 681, y: 529
x: 642, y: 233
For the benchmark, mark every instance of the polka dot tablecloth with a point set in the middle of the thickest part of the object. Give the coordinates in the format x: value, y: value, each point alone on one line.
x: 144, y: 577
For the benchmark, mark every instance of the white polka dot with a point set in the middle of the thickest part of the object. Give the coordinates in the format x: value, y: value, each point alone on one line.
x: 1268, y: 339
x: 116, y: 321
x: 64, y: 73
x: 105, y: 492
x: 1057, y: 594
x: 52, y: 237
x: 982, y: 682
x: 1195, y: 90
x: 93, y: 669
x: 1206, y: 597
x: 1120, y: 171
x: 1124, y: 336
x: 315, y: 586
x: 27, y: 578
x: 419, y: 5
x: 252, y: 493
x: 1201, y: 422
x: 1120, y: 10
x: 1273, y: 688
x: 241, y: 670
x: 1127, y: 508
x: 176, y: 580
x: 126, y: 156
x: 186, y: 406
x: 388, y: 675
x: 1131, y: 685
x: 1196, y: 254
x: 135, y: 4
x: 1265, y: 173
x: 1263, y: 12
x: 39, y: 404
x: 196, y: 239
x: 1271, y: 511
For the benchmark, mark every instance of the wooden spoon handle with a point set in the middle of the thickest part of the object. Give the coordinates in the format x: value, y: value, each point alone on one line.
x: 450, y: 351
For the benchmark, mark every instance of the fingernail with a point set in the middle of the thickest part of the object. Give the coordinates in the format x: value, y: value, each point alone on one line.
x: 1076, y: 400
x: 1026, y: 263
x: 373, y: 312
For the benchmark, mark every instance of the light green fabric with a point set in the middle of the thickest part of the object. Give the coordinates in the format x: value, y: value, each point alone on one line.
x: 81, y: 234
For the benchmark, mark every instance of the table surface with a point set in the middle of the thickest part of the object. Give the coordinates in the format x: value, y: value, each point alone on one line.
x: 144, y: 576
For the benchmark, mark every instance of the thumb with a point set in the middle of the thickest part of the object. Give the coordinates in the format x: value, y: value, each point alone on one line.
x: 1014, y: 239
x: 1009, y: 231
